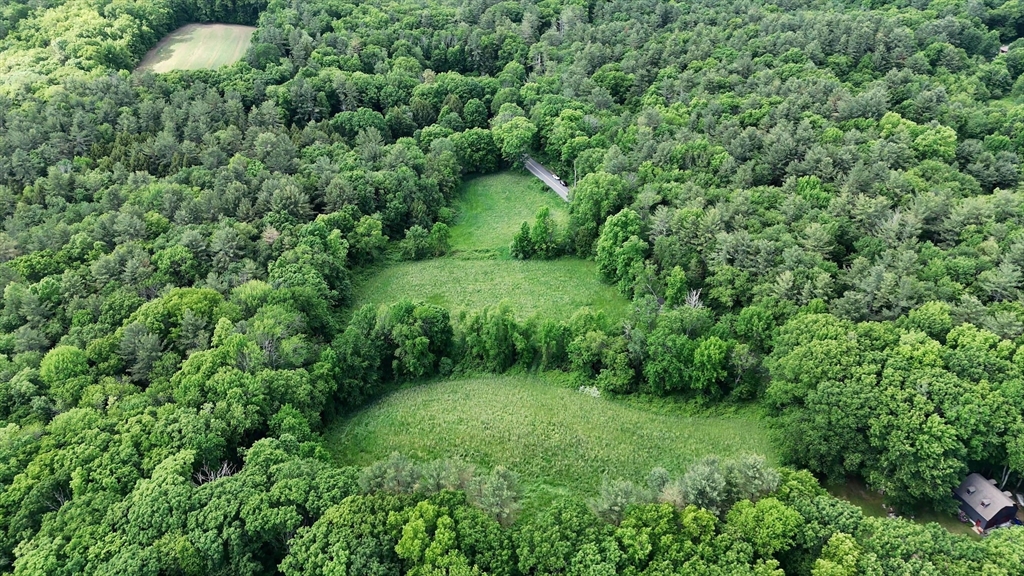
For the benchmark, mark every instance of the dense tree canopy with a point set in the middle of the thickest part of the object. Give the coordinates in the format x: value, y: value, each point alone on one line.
x: 815, y: 205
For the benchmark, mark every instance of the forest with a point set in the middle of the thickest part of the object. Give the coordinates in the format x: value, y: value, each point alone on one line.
x: 813, y: 209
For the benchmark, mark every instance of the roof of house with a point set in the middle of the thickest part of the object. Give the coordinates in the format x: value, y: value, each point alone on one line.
x: 982, y: 496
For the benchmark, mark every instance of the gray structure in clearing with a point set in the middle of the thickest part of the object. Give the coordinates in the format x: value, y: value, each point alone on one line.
x: 982, y: 502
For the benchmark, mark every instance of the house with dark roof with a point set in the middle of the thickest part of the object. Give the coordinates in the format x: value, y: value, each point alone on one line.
x: 984, y: 503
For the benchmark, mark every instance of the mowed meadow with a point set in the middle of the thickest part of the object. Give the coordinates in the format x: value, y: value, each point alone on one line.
x: 553, y: 288
x: 479, y: 271
x: 199, y: 46
x: 493, y: 207
x: 555, y: 437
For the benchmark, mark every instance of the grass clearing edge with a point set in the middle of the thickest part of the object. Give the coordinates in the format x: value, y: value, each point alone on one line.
x: 548, y: 288
x: 197, y: 47
x: 556, y: 438
x: 479, y: 271
x: 491, y: 209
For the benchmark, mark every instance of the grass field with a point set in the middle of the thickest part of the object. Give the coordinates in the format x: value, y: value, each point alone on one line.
x: 479, y: 270
x: 871, y: 503
x: 550, y: 288
x: 556, y: 438
x: 197, y: 46
x: 493, y: 207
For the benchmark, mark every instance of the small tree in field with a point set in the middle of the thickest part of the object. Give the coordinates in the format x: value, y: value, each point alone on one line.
x: 704, y: 485
x: 416, y: 244
x: 440, y: 239
x: 614, y: 497
x: 543, y: 234
x: 522, y: 245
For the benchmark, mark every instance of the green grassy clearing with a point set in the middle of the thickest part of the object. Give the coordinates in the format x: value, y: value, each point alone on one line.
x: 556, y: 438
x: 552, y: 288
x: 870, y: 502
x: 479, y: 271
x: 199, y: 46
x: 493, y: 207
